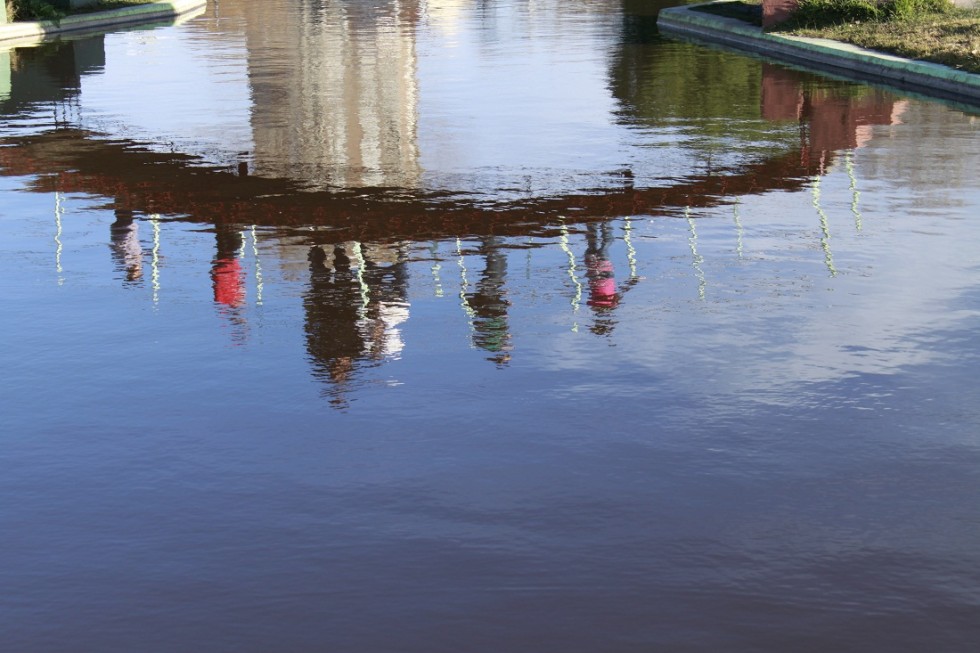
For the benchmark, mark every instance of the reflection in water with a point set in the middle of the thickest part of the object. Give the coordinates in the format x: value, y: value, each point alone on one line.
x: 338, y: 106
x: 59, y: 212
x: 337, y: 117
x: 739, y: 229
x: 576, y: 300
x: 489, y: 303
x: 259, y: 283
x: 155, y: 259
x: 332, y: 307
x: 228, y: 279
x: 227, y: 276
x: 601, y: 275
x: 697, y: 261
x: 832, y: 117
x: 743, y: 452
x: 824, y: 229
x: 49, y: 74
x: 855, y: 194
x: 353, y: 308
x: 125, y: 245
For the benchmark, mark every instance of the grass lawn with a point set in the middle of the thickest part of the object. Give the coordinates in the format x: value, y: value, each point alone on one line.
x: 948, y: 36
x: 21, y: 10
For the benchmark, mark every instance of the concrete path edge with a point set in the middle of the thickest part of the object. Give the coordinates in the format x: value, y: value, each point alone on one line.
x: 842, y: 58
x: 148, y: 13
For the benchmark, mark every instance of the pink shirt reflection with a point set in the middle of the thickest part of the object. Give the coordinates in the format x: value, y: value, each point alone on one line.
x: 602, y: 283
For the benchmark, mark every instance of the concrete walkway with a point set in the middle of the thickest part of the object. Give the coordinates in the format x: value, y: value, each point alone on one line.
x: 839, y: 58
x: 33, y: 31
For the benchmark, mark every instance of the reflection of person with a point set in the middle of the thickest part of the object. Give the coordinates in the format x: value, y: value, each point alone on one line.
x: 352, y: 316
x: 386, y: 274
x: 491, y: 331
x: 227, y: 277
x: 125, y: 245
x: 331, y: 310
x: 599, y: 270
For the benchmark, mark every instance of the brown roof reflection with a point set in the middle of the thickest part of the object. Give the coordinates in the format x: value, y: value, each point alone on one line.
x: 137, y: 179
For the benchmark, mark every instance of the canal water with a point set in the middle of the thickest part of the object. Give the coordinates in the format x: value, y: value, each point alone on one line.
x: 477, y: 325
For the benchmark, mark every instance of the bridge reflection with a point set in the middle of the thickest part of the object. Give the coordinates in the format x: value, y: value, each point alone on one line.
x: 356, y: 223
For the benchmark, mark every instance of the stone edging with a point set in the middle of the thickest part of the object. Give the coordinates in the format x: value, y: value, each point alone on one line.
x: 841, y: 58
x: 34, y: 30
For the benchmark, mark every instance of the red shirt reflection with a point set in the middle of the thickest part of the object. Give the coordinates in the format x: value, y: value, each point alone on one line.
x: 228, y: 278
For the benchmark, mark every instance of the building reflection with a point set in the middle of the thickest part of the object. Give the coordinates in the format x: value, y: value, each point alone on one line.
x: 834, y: 117
x: 716, y: 91
x: 337, y: 104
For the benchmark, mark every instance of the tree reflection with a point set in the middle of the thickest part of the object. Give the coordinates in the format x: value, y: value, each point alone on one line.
x: 48, y: 74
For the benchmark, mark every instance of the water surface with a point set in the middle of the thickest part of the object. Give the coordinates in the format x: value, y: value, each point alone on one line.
x: 480, y: 326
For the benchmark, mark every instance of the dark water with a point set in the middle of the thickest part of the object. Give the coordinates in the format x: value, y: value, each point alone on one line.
x: 480, y: 326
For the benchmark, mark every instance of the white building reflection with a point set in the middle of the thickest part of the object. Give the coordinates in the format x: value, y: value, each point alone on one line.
x: 337, y: 103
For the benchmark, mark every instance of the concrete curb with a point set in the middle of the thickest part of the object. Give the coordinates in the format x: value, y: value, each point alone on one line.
x: 97, y: 20
x: 841, y: 58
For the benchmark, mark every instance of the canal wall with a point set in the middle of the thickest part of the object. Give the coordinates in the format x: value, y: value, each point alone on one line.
x: 28, y: 31
x: 840, y: 58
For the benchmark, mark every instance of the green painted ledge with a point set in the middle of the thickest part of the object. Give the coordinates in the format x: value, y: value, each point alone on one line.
x: 841, y: 58
x: 32, y: 31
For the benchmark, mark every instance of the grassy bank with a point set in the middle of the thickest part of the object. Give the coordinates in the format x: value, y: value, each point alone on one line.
x: 928, y: 30
x: 23, y: 10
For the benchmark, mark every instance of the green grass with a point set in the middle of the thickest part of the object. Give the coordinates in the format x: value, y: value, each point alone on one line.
x: 24, y: 10
x: 817, y: 14
x: 928, y: 30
